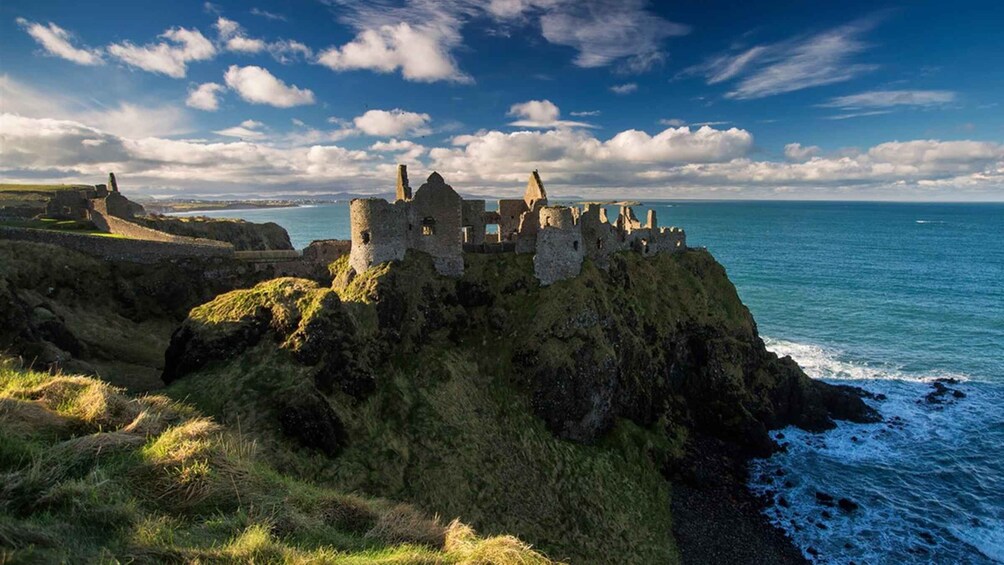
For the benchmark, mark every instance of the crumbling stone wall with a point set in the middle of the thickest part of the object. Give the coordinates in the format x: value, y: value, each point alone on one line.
x: 436, y: 217
x: 473, y: 220
x: 559, y: 245
x: 379, y: 232
x: 439, y: 222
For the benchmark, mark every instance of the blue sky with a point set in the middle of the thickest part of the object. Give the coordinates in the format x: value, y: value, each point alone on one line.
x: 849, y: 100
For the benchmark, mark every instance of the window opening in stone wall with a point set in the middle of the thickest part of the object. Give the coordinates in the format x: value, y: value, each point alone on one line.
x: 365, y: 237
x: 644, y: 246
x: 575, y: 245
x: 467, y: 232
x: 428, y: 226
x: 599, y: 243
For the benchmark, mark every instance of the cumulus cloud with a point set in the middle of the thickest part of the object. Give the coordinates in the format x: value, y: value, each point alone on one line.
x: 390, y: 123
x: 627, y: 88
x: 797, y: 152
x: 421, y: 53
x: 287, y: 51
x: 889, y: 98
x: 542, y: 114
x: 405, y: 150
x: 677, y: 161
x: 787, y: 66
x: 58, y: 42
x: 169, y: 57
x: 205, y: 96
x: 258, y: 86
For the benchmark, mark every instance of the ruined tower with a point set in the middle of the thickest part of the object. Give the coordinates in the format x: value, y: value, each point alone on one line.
x: 112, y: 184
x: 403, y: 188
x: 379, y: 232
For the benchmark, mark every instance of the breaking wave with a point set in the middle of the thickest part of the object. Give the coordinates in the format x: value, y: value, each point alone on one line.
x: 922, y: 495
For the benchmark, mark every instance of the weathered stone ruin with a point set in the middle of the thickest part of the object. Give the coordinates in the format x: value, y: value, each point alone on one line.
x: 437, y: 221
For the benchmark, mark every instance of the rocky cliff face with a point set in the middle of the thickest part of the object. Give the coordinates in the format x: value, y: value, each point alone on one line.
x: 558, y: 413
x: 245, y: 236
x: 63, y: 310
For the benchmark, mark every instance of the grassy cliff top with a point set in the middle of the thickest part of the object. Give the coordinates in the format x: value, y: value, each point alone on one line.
x: 42, y: 187
x: 90, y: 474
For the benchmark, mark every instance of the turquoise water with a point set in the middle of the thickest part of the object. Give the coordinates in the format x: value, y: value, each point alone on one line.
x: 884, y: 296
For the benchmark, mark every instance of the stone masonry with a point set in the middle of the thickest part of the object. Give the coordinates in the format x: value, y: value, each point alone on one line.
x: 437, y: 221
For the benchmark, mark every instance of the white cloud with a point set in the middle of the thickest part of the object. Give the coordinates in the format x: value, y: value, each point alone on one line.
x: 169, y: 57
x: 405, y: 149
x: 258, y: 86
x: 59, y: 43
x: 235, y: 38
x: 798, y: 153
x: 672, y: 122
x: 605, y: 31
x: 542, y: 114
x: 795, y: 64
x: 627, y: 88
x: 677, y: 161
x: 248, y: 130
x: 585, y: 113
x: 243, y: 44
x: 390, y: 123
x: 889, y: 98
x: 122, y: 118
x: 422, y: 53
x: 205, y: 96
x: 268, y: 15
x: 287, y: 51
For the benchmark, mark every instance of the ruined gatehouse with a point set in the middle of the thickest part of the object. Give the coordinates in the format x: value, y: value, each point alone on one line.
x: 436, y: 220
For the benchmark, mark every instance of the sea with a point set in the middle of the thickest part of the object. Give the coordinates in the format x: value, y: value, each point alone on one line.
x: 889, y: 297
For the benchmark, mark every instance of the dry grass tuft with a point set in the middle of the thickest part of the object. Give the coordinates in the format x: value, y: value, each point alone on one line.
x: 349, y: 513
x: 101, y: 442
x: 463, y: 543
x: 92, y: 401
x: 26, y: 417
x: 404, y: 524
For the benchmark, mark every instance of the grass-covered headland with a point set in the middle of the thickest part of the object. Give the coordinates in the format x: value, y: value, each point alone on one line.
x: 90, y: 474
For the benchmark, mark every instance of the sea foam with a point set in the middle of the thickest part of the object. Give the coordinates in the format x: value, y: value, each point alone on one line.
x: 923, y: 495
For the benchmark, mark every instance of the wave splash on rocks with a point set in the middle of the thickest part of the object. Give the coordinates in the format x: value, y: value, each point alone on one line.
x: 905, y: 490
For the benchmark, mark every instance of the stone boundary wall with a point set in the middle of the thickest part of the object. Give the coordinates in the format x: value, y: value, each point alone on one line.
x: 131, y: 250
x: 118, y: 226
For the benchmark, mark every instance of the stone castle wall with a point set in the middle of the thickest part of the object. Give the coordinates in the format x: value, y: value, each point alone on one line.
x: 559, y: 250
x: 439, y: 222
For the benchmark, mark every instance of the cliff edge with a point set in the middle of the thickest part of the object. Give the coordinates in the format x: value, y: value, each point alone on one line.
x: 568, y: 415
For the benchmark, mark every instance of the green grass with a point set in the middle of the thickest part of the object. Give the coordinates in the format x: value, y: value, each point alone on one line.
x: 89, y: 474
x: 71, y: 226
x: 449, y: 427
x: 41, y: 187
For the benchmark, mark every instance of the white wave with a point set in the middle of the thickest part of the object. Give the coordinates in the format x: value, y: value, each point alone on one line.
x: 832, y: 364
x: 930, y: 221
x: 884, y: 467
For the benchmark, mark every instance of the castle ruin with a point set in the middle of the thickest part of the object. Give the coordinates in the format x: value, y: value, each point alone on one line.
x: 437, y: 221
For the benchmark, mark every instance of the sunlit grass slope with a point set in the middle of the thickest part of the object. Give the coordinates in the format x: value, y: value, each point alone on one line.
x: 89, y: 474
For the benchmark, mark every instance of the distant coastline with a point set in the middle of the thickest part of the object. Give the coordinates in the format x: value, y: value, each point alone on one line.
x: 195, y: 206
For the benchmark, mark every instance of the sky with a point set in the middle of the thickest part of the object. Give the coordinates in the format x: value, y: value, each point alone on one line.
x: 606, y: 98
